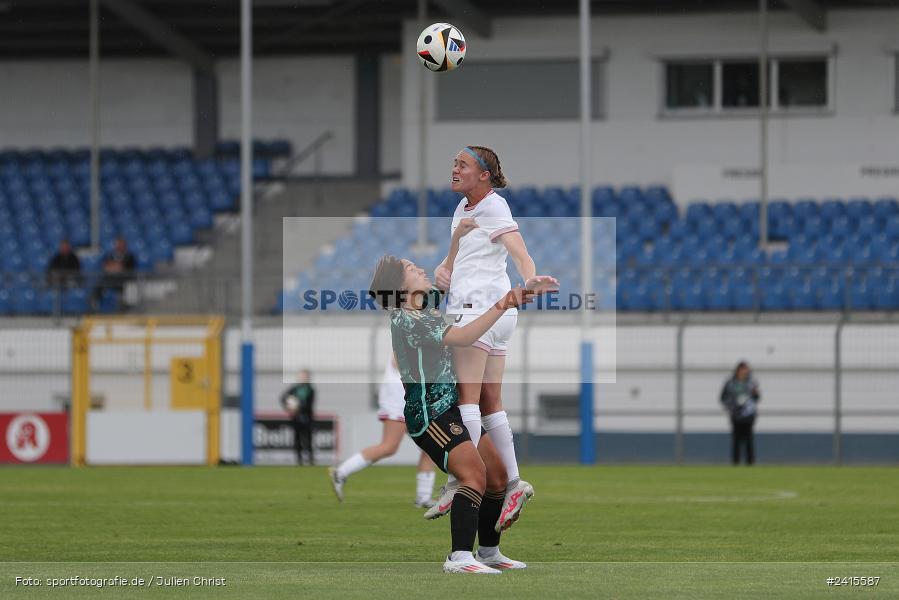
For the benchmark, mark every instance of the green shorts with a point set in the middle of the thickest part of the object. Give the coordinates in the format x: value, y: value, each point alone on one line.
x: 442, y: 435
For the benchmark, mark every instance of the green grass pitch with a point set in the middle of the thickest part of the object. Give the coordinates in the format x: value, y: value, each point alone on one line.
x: 602, y: 532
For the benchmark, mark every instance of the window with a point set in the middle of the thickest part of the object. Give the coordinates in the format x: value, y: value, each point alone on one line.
x: 802, y: 83
x: 544, y: 89
x: 740, y: 84
x: 689, y: 85
x: 720, y: 86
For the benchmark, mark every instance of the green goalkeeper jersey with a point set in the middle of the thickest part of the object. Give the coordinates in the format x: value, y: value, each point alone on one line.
x: 425, y: 365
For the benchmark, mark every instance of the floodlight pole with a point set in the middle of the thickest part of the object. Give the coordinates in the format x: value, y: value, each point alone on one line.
x: 94, y: 83
x: 246, y: 223
x: 763, y: 125
x: 588, y: 436
x: 422, y: 142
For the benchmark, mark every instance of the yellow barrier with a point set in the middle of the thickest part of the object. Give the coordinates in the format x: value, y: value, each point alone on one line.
x: 93, y: 331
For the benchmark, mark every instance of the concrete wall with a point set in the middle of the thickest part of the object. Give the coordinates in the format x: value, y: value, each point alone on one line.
x: 142, y: 103
x: 150, y: 102
x: 794, y: 365
x: 635, y: 145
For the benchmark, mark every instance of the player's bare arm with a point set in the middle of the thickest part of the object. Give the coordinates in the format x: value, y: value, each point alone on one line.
x: 517, y: 249
x: 467, y: 335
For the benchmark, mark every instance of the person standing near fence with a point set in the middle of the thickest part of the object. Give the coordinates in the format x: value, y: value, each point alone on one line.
x: 298, y: 401
x: 740, y: 398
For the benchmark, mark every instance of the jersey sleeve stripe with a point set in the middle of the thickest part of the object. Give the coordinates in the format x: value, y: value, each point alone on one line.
x: 503, y: 231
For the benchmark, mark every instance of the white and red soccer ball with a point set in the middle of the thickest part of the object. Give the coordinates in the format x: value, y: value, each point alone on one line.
x: 441, y: 47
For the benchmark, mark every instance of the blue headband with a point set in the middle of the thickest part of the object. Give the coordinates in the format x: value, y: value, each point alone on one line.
x: 478, y: 158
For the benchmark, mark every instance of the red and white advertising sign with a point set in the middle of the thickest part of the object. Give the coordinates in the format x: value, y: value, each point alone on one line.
x: 34, y: 438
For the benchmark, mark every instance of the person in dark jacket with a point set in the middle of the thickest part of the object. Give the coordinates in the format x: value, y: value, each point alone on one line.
x: 298, y: 401
x: 740, y: 398
x: 64, y: 269
x: 119, y: 265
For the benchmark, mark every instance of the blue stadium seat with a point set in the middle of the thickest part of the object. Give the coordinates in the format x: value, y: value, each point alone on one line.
x: 705, y: 227
x: 110, y: 302
x: 162, y: 251
x: 891, y: 228
x: 182, y: 234
x: 860, y: 294
x: 657, y: 194
x: 201, y: 218
x: 75, y: 301
x: 697, y: 211
x: 679, y: 229
x: 859, y: 207
x: 23, y: 301
x: 886, y: 295
x: 814, y: 226
x: 222, y: 201
x: 886, y: 208
x: 773, y: 296
x: 718, y: 296
x: 725, y: 210
x: 868, y: 226
x: 861, y: 254
x: 5, y: 301
x: 693, y: 298
x: 831, y: 208
x: 604, y: 194
x: 13, y: 263
x: 803, y: 297
x: 805, y: 208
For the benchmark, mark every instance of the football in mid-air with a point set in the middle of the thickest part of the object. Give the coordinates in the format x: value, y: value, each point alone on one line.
x: 441, y: 47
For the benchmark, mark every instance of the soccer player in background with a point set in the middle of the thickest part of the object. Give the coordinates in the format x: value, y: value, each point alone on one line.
x: 299, y: 402
x: 421, y: 341
x: 475, y: 277
x: 390, y: 411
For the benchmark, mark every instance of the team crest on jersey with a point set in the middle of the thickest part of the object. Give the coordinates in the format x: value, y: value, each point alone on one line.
x: 455, y: 429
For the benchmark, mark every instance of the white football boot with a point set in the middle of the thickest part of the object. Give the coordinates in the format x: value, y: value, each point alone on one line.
x: 336, y: 483
x: 425, y: 502
x: 444, y: 502
x: 498, y: 561
x: 465, y: 563
x: 516, y: 498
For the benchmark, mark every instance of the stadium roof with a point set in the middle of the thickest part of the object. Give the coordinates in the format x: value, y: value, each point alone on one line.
x: 203, y: 30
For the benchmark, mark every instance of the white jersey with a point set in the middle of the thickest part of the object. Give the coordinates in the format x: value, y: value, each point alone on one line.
x: 479, y: 277
x: 391, y: 394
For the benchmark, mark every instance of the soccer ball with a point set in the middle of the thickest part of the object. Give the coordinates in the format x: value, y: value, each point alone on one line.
x: 292, y: 404
x: 441, y: 47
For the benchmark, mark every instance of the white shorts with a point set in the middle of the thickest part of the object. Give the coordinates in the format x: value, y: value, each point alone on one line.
x: 391, y: 401
x: 495, y: 342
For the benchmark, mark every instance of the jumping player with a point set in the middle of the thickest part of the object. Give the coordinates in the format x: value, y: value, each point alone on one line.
x: 475, y: 278
x: 390, y: 412
x: 421, y: 342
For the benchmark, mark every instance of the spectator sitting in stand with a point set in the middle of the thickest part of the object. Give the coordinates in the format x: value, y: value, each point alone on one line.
x: 118, y: 268
x: 64, y: 269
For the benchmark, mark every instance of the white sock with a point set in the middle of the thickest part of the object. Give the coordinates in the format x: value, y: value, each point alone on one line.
x: 424, y: 485
x: 487, y: 551
x: 497, y: 426
x: 354, y: 463
x: 461, y: 555
x: 471, y: 418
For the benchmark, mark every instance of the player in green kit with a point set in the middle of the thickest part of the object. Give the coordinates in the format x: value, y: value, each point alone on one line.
x: 421, y: 340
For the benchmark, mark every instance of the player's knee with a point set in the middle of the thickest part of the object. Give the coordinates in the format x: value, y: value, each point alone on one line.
x: 478, y: 478
x: 497, y: 478
x: 474, y: 476
x: 391, y: 447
